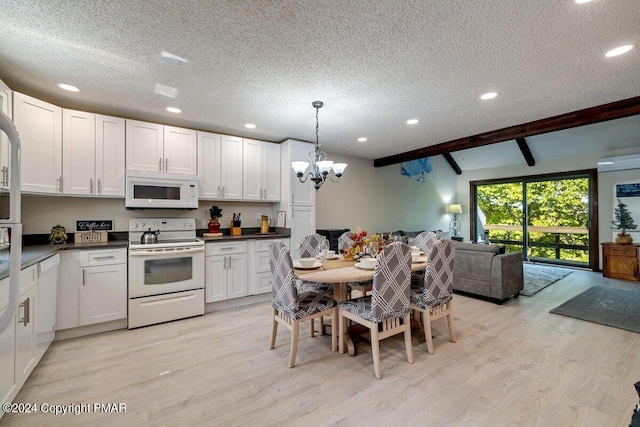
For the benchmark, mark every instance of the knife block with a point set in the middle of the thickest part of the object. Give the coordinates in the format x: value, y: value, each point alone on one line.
x: 236, y: 230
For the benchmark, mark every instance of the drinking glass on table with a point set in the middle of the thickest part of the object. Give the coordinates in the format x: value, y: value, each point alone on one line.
x: 324, y: 250
x: 372, y: 249
x: 411, y: 241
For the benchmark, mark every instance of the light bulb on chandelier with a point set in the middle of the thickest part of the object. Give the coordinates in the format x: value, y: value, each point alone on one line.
x: 320, y: 167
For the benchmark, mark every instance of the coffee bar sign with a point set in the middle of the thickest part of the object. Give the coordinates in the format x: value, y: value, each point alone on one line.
x: 94, y: 225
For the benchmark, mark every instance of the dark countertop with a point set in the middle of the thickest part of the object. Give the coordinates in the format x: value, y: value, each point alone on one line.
x: 246, y: 237
x: 34, y: 254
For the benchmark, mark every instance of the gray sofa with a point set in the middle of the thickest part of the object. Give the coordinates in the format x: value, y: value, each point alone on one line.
x: 486, y: 270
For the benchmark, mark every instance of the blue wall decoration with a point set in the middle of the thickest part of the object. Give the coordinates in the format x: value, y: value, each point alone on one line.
x: 420, y: 169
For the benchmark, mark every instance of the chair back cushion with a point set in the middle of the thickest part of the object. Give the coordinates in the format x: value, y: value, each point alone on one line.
x: 391, y: 282
x: 283, y: 289
x: 426, y: 240
x: 438, y: 277
x: 310, y: 245
x: 345, y: 241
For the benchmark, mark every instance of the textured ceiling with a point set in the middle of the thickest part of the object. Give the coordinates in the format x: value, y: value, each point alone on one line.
x: 375, y: 64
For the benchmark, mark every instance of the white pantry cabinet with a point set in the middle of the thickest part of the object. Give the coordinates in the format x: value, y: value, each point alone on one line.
x: 219, y: 166
x: 40, y: 126
x: 153, y: 147
x: 6, y: 105
x: 225, y: 271
x: 92, y: 287
x: 261, y: 171
x: 93, y: 154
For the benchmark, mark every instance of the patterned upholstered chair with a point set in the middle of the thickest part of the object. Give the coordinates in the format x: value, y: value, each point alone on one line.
x: 435, y: 299
x: 386, y: 311
x: 291, y: 308
x: 344, y: 241
x: 425, y: 242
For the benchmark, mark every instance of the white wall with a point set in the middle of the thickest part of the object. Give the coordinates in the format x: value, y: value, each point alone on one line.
x: 40, y: 213
x: 383, y: 200
x: 606, y: 183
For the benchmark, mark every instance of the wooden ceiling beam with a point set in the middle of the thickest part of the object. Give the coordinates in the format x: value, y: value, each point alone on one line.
x: 601, y: 113
x: 526, y: 152
x: 452, y: 163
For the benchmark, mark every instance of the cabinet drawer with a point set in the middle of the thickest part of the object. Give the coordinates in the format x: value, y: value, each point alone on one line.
x: 226, y: 248
x: 103, y: 257
x: 621, y: 250
x: 262, y: 245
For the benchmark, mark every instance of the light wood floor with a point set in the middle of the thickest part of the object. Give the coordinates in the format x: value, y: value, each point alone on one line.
x: 514, y: 364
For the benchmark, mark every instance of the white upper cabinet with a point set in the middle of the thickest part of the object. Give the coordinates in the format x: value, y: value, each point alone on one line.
x: 6, y: 106
x: 156, y: 148
x: 93, y: 154
x: 219, y: 166
x: 261, y: 171
x: 40, y: 126
x: 293, y: 191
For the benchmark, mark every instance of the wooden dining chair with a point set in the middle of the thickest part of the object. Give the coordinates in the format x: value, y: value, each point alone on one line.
x: 386, y: 311
x: 435, y: 298
x: 289, y: 307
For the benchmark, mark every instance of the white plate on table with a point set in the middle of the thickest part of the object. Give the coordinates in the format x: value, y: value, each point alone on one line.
x: 336, y: 256
x: 297, y: 265
x: 359, y: 265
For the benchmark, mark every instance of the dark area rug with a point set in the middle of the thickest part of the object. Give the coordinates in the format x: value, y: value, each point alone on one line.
x: 538, y: 277
x: 619, y: 308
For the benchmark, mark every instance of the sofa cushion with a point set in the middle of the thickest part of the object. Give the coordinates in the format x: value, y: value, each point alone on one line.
x: 494, y: 249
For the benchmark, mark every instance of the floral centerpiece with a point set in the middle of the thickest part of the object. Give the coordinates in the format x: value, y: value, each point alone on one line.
x: 360, y: 241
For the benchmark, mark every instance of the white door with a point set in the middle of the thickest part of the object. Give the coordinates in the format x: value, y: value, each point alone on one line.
x: 231, y: 167
x: 145, y: 143
x: 303, y: 222
x: 209, y: 171
x: 78, y: 152
x: 237, y: 276
x: 7, y: 361
x: 216, y: 278
x: 6, y: 105
x: 251, y: 169
x: 25, y: 336
x: 103, y: 295
x: 40, y: 126
x: 271, y: 172
x: 302, y: 194
x: 110, y: 155
x: 180, y: 151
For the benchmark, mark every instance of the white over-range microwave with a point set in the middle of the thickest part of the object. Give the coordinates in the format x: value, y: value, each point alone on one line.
x: 151, y: 190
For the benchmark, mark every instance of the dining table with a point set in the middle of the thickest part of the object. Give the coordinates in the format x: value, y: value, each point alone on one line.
x: 339, y: 273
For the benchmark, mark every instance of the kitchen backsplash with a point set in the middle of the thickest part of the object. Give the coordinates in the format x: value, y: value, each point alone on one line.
x: 40, y: 213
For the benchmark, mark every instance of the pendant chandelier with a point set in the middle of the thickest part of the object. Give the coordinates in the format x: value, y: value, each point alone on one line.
x: 320, y: 167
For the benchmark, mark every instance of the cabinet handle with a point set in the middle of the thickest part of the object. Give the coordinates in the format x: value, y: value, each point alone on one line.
x: 224, y: 263
x: 223, y: 190
x: 166, y: 164
x: 83, y: 272
x: 225, y: 249
x: 229, y: 262
x: 160, y: 164
x: 218, y: 191
x: 104, y: 257
x: 25, y: 318
x: 91, y: 185
x: 60, y: 181
x: 99, y: 186
x: 4, y: 176
x: 292, y: 199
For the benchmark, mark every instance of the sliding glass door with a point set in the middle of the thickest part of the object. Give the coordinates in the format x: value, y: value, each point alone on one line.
x: 547, y: 218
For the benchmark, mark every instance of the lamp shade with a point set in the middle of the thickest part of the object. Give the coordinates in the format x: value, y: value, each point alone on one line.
x: 338, y: 168
x: 455, y: 208
x: 324, y: 166
x: 299, y: 167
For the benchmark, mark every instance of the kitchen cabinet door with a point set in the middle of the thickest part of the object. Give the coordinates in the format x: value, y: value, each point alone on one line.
x: 7, y: 360
x: 145, y: 146
x: 237, y: 276
x: 302, y: 194
x: 271, y: 172
x: 78, y: 152
x: 40, y: 126
x: 6, y: 105
x: 251, y: 169
x: 180, y: 151
x: 45, y: 315
x: 231, y: 167
x: 69, y: 283
x: 216, y: 278
x: 209, y: 172
x: 110, y: 156
x: 303, y: 222
x: 103, y: 295
x: 25, y: 353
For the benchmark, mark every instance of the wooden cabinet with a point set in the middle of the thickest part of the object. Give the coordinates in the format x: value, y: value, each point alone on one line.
x: 40, y: 126
x: 261, y: 171
x: 93, y: 154
x: 219, y: 166
x: 92, y: 287
x: 153, y: 147
x: 620, y: 261
x: 6, y: 105
x: 225, y: 271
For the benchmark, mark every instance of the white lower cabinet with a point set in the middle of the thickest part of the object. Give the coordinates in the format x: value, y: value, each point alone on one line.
x: 7, y: 360
x: 25, y: 336
x: 226, y: 271
x: 92, y: 287
x: 260, y: 269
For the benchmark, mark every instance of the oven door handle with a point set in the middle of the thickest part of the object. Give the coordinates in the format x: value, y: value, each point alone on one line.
x: 165, y: 251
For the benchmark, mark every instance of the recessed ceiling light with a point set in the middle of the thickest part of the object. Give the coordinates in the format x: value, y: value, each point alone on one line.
x: 582, y: 1
x: 412, y: 121
x: 362, y: 139
x: 70, y: 88
x: 172, y: 59
x: 174, y: 110
x: 250, y: 126
x: 489, y: 95
x: 619, y: 50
